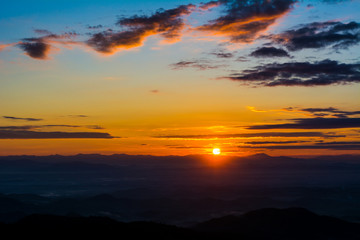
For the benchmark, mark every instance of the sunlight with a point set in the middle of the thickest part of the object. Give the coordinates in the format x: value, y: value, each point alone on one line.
x: 216, y: 151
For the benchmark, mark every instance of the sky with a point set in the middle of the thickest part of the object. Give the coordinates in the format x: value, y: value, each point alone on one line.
x: 161, y: 77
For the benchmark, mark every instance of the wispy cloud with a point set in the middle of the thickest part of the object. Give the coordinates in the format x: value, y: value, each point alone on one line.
x: 313, y: 123
x: 243, y: 21
x: 22, y: 134
x: 166, y: 23
x: 23, y: 119
x: 40, y: 47
x: 252, y: 135
x: 318, y: 35
x: 199, y: 64
x: 269, y: 52
x: 326, y: 72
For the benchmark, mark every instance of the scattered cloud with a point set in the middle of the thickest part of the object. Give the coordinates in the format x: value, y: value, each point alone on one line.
x: 252, y: 135
x: 199, y: 64
x: 209, y: 5
x: 3, y: 46
x: 273, y: 142
x: 294, y: 147
x: 313, y: 123
x: 319, y: 35
x: 22, y: 134
x: 332, y: 112
x: 326, y: 72
x: 167, y: 23
x: 40, y: 47
x: 269, y: 52
x: 243, y: 21
x: 78, y: 116
x: 222, y: 54
x: 23, y: 119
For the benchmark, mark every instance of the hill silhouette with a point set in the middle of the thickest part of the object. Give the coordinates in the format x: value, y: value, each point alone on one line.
x: 269, y: 224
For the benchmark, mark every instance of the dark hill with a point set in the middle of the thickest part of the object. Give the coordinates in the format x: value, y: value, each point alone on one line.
x: 269, y: 224
x: 291, y: 223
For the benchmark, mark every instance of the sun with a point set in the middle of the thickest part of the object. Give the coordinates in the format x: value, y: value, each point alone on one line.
x: 216, y: 151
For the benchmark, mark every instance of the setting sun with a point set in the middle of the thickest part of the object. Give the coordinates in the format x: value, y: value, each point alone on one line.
x: 216, y: 151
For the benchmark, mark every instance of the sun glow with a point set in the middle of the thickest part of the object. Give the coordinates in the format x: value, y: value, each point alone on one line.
x: 216, y: 151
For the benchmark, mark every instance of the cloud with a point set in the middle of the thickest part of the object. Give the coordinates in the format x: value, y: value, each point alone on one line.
x: 273, y: 142
x: 222, y: 54
x: 3, y: 46
x: 243, y: 21
x: 167, y: 23
x: 155, y: 91
x: 11, y: 134
x: 340, y: 143
x: 251, y: 135
x: 326, y: 72
x: 37, y: 127
x: 294, y: 147
x: 313, y: 123
x: 319, y: 35
x: 40, y: 47
x: 269, y: 52
x: 197, y: 64
x: 209, y: 5
x: 78, y: 116
x: 23, y: 119
x: 334, y: 112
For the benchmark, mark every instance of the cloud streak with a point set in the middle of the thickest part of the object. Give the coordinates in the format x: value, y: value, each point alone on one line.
x: 22, y: 134
x: 243, y: 21
x: 313, y: 123
x: 166, y: 23
x: 197, y: 64
x: 23, y: 119
x: 322, y: 73
x: 318, y: 35
x: 251, y: 135
x: 269, y: 52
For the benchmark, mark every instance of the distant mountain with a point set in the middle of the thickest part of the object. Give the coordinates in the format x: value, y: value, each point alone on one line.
x: 264, y: 224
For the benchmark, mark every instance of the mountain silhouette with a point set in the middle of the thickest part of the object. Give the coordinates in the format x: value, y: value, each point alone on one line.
x: 269, y: 224
x: 290, y: 223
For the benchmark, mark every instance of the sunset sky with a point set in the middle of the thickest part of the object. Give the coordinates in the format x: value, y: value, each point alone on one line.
x: 179, y: 77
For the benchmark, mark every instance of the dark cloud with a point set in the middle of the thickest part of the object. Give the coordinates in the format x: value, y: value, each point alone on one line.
x: 167, y: 23
x: 19, y: 134
x: 326, y: 72
x: 40, y: 47
x: 269, y: 52
x: 78, y: 116
x: 250, y: 135
x: 197, y: 64
x: 313, y: 123
x: 244, y: 20
x: 36, y: 127
x: 209, y: 5
x: 222, y: 54
x: 329, y: 147
x: 36, y: 49
x: 17, y: 127
x: 273, y: 142
x: 94, y: 27
x: 23, y: 119
x: 340, y: 143
x: 319, y: 35
x: 330, y: 112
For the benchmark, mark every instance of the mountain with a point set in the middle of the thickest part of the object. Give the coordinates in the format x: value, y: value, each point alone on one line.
x: 291, y: 223
x: 263, y: 224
